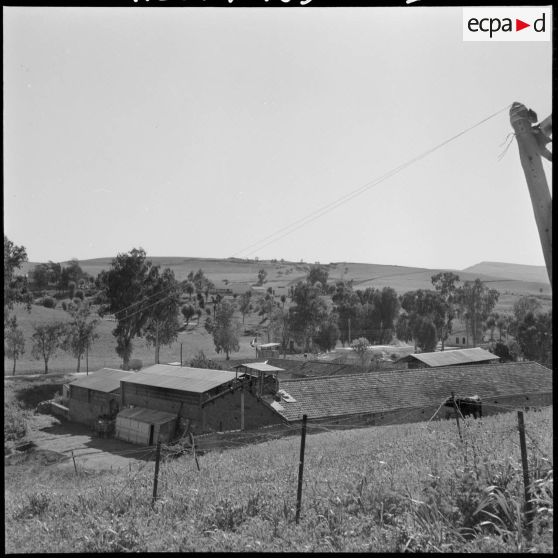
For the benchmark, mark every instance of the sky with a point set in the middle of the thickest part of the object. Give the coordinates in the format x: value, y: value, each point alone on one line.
x: 202, y: 132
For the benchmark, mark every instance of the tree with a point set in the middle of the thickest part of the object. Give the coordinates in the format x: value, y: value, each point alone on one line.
x: 327, y: 333
x: 225, y: 331
x: 40, y: 276
x: 492, y: 323
x: 245, y: 304
x: 307, y: 313
x: 189, y: 288
x: 534, y: 335
x: 446, y: 285
x: 47, y: 339
x: 360, y: 347
x: 317, y: 273
x: 266, y: 305
x: 424, y: 309
x: 262, y: 275
x: 348, y: 309
x: 280, y: 327
x: 477, y: 302
x: 503, y: 351
x: 127, y: 285
x: 162, y: 325
x: 188, y: 311
x: 524, y: 305
x: 15, y: 287
x: 80, y: 331
x: 14, y: 341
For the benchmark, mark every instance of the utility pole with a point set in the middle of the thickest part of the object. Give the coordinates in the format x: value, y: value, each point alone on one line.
x: 531, y: 141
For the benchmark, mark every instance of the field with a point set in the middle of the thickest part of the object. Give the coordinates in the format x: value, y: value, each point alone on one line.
x: 383, y: 489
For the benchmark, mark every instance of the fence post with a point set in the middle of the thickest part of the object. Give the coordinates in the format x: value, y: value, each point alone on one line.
x: 194, y: 450
x: 156, y: 478
x: 525, y: 466
x: 301, y: 467
x: 75, y: 466
x: 456, y: 415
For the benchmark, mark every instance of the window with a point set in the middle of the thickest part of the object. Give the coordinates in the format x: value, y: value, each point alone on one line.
x: 457, y: 340
x: 463, y: 340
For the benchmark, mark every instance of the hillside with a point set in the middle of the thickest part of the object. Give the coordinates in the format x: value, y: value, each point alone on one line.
x: 400, y: 488
x: 528, y: 273
x: 238, y: 274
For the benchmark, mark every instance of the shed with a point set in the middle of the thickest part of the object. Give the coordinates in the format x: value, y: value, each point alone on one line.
x: 454, y: 357
x: 262, y: 374
x: 144, y: 426
x: 267, y: 350
x: 96, y: 395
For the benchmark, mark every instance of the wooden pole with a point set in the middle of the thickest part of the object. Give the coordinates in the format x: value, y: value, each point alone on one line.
x: 156, y: 478
x: 530, y: 156
x: 75, y: 466
x: 180, y: 354
x: 242, y: 408
x: 526, y: 485
x: 194, y: 450
x: 456, y: 415
x: 301, y: 467
x: 87, y: 360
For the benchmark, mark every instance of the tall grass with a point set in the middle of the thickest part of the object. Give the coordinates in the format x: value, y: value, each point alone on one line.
x: 384, y: 489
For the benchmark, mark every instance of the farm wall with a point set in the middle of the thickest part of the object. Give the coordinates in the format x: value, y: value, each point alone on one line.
x: 403, y: 416
x: 139, y: 432
x: 224, y: 413
x: 163, y: 399
x: 86, y: 405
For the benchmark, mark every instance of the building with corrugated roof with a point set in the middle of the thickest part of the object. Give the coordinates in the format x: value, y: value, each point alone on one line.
x: 204, y: 399
x: 95, y: 395
x: 453, y: 357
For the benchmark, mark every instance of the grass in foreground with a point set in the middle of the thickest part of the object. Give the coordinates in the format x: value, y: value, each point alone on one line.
x: 384, y: 489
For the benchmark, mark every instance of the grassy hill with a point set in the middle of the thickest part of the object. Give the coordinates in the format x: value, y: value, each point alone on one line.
x: 382, y: 489
x: 528, y: 273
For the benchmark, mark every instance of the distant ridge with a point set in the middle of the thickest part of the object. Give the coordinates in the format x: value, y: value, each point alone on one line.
x: 519, y: 272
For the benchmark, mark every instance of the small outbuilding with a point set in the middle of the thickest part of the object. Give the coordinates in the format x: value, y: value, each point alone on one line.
x: 96, y: 395
x: 454, y: 357
x: 144, y: 426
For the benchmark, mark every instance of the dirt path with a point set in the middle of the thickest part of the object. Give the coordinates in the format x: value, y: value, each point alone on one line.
x: 54, y: 441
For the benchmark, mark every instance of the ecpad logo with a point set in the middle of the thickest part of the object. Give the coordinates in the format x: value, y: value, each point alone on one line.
x: 507, y: 24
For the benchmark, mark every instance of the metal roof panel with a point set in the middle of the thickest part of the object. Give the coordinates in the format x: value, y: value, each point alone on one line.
x: 106, y: 380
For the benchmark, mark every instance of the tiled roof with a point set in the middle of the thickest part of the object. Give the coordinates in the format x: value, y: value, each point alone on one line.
x: 455, y: 356
x: 182, y: 378
x: 105, y: 380
x: 333, y: 396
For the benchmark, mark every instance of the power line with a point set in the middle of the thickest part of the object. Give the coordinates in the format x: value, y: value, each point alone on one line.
x: 288, y: 229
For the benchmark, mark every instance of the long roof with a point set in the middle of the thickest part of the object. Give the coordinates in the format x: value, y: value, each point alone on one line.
x: 260, y: 366
x: 334, y: 396
x: 182, y: 378
x: 106, y: 380
x: 455, y: 356
x: 315, y: 367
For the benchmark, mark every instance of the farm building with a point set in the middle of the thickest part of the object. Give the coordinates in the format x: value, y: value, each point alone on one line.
x: 95, y: 395
x: 206, y: 400
x: 454, y: 357
x: 145, y: 426
x: 393, y: 397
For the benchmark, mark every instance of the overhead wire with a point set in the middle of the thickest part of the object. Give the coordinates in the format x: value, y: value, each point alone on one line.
x: 289, y: 229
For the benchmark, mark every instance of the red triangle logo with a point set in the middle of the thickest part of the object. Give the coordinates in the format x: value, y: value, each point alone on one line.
x: 519, y: 25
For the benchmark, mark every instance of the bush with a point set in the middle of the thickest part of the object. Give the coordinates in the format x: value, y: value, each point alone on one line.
x: 135, y: 364
x: 79, y: 294
x: 15, y: 422
x: 49, y: 302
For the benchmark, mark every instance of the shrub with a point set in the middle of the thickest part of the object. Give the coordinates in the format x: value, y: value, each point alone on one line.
x: 49, y: 302
x: 15, y: 422
x: 79, y: 294
x: 135, y: 364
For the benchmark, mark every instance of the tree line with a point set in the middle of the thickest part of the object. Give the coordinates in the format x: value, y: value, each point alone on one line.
x: 147, y: 302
